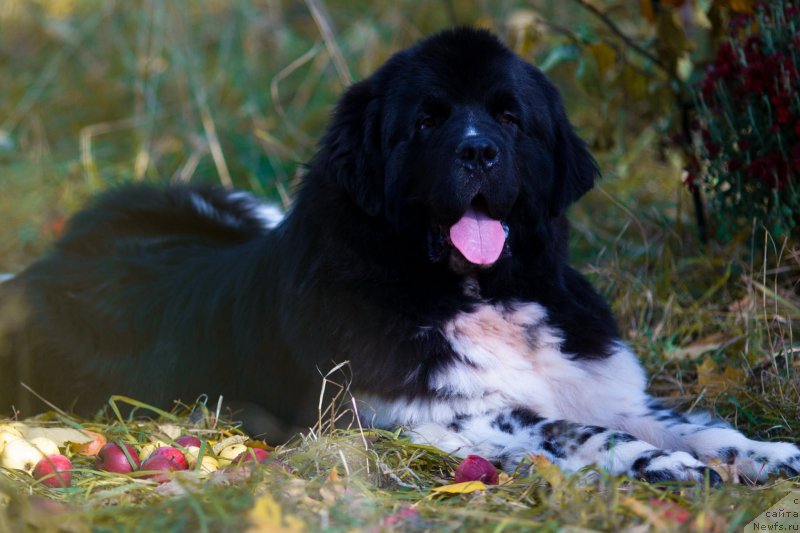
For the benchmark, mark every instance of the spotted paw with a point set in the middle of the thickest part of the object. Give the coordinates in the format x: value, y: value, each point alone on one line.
x: 765, y: 458
x: 656, y: 466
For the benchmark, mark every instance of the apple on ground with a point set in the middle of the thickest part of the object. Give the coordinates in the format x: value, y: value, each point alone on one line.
x: 173, y: 454
x: 54, y: 471
x: 19, y: 454
x: 160, y: 465
x: 230, y: 453
x: 112, y: 458
x: 252, y: 454
x: 476, y: 468
x: 188, y: 440
x: 7, y: 434
x: 44, y: 445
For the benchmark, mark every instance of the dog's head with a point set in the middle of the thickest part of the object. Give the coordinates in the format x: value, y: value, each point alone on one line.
x: 459, y: 144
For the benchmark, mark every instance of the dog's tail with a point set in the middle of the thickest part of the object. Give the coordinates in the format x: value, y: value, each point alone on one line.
x: 13, y: 316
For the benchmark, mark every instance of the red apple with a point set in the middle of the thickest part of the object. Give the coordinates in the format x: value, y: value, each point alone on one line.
x: 160, y: 465
x: 188, y: 440
x: 54, y: 471
x: 173, y: 454
x: 476, y: 468
x: 113, y: 459
x: 252, y: 454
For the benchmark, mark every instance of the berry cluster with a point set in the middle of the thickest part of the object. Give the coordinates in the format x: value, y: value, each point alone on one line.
x: 749, y: 121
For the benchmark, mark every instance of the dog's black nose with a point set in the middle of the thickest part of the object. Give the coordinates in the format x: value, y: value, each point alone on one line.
x: 477, y: 153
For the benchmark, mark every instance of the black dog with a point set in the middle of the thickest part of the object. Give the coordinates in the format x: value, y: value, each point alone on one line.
x: 426, y: 246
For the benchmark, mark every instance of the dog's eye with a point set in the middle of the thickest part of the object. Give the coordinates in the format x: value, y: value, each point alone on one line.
x: 426, y: 122
x: 507, y: 118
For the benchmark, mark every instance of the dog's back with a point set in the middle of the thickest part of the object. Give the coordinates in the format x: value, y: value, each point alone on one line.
x: 138, y: 278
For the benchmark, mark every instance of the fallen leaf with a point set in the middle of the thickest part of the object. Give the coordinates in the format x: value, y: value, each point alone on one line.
x: 697, y: 348
x: 224, y: 443
x: 550, y: 472
x: 460, y: 488
x: 741, y: 6
x: 333, y: 475
x: 644, y: 511
x: 170, y: 430
x: 267, y: 516
x: 60, y: 435
x: 714, y: 382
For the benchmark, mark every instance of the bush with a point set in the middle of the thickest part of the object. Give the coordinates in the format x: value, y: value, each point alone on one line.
x: 749, y: 123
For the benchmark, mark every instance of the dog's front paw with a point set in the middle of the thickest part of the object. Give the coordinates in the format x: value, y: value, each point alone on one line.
x: 761, y: 459
x: 658, y: 465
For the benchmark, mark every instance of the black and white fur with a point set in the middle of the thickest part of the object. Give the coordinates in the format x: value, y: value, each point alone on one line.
x: 165, y: 294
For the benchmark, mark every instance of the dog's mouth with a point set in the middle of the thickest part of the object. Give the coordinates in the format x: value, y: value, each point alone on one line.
x: 477, y: 236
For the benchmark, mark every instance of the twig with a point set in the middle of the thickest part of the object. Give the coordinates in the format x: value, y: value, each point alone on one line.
x: 326, y: 30
x: 619, y: 33
x: 283, y: 74
x: 212, y: 138
x: 47, y: 403
x: 87, y: 135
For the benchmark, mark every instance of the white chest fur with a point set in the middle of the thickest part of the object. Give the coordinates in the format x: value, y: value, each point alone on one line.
x: 508, y: 356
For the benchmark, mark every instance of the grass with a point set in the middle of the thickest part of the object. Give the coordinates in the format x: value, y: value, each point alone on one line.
x: 94, y: 93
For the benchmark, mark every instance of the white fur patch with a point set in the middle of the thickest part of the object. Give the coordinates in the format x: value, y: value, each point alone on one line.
x: 269, y: 215
x: 510, y: 357
x: 510, y: 369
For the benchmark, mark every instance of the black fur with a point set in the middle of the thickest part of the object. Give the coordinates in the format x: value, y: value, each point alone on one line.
x: 146, y: 295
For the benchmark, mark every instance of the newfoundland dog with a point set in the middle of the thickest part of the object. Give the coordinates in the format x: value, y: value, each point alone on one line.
x: 426, y: 246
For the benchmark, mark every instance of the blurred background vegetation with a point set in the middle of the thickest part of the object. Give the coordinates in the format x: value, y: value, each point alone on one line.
x: 235, y: 92
x: 96, y: 92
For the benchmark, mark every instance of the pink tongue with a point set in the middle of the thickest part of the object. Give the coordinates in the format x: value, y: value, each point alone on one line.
x: 478, y: 237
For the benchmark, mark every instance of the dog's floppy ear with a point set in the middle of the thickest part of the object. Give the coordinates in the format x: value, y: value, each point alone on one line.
x: 351, y: 149
x: 576, y: 169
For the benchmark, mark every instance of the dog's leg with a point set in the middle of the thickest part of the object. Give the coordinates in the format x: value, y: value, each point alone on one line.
x: 507, y: 436
x: 713, y: 440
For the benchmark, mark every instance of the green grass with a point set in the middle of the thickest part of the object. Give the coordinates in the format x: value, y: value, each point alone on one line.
x: 95, y: 93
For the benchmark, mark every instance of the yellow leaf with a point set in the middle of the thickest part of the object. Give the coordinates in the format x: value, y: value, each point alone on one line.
x: 460, y: 488
x: 539, y: 460
x: 644, y: 511
x: 646, y: 7
x: 333, y: 475
x: 741, y: 6
x: 696, y: 348
x: 170, y: 430
x: 59, y: 435
x: 550, y: 472
x: 266, y: 516
x: 604, y: 56
x: 714, y: 382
